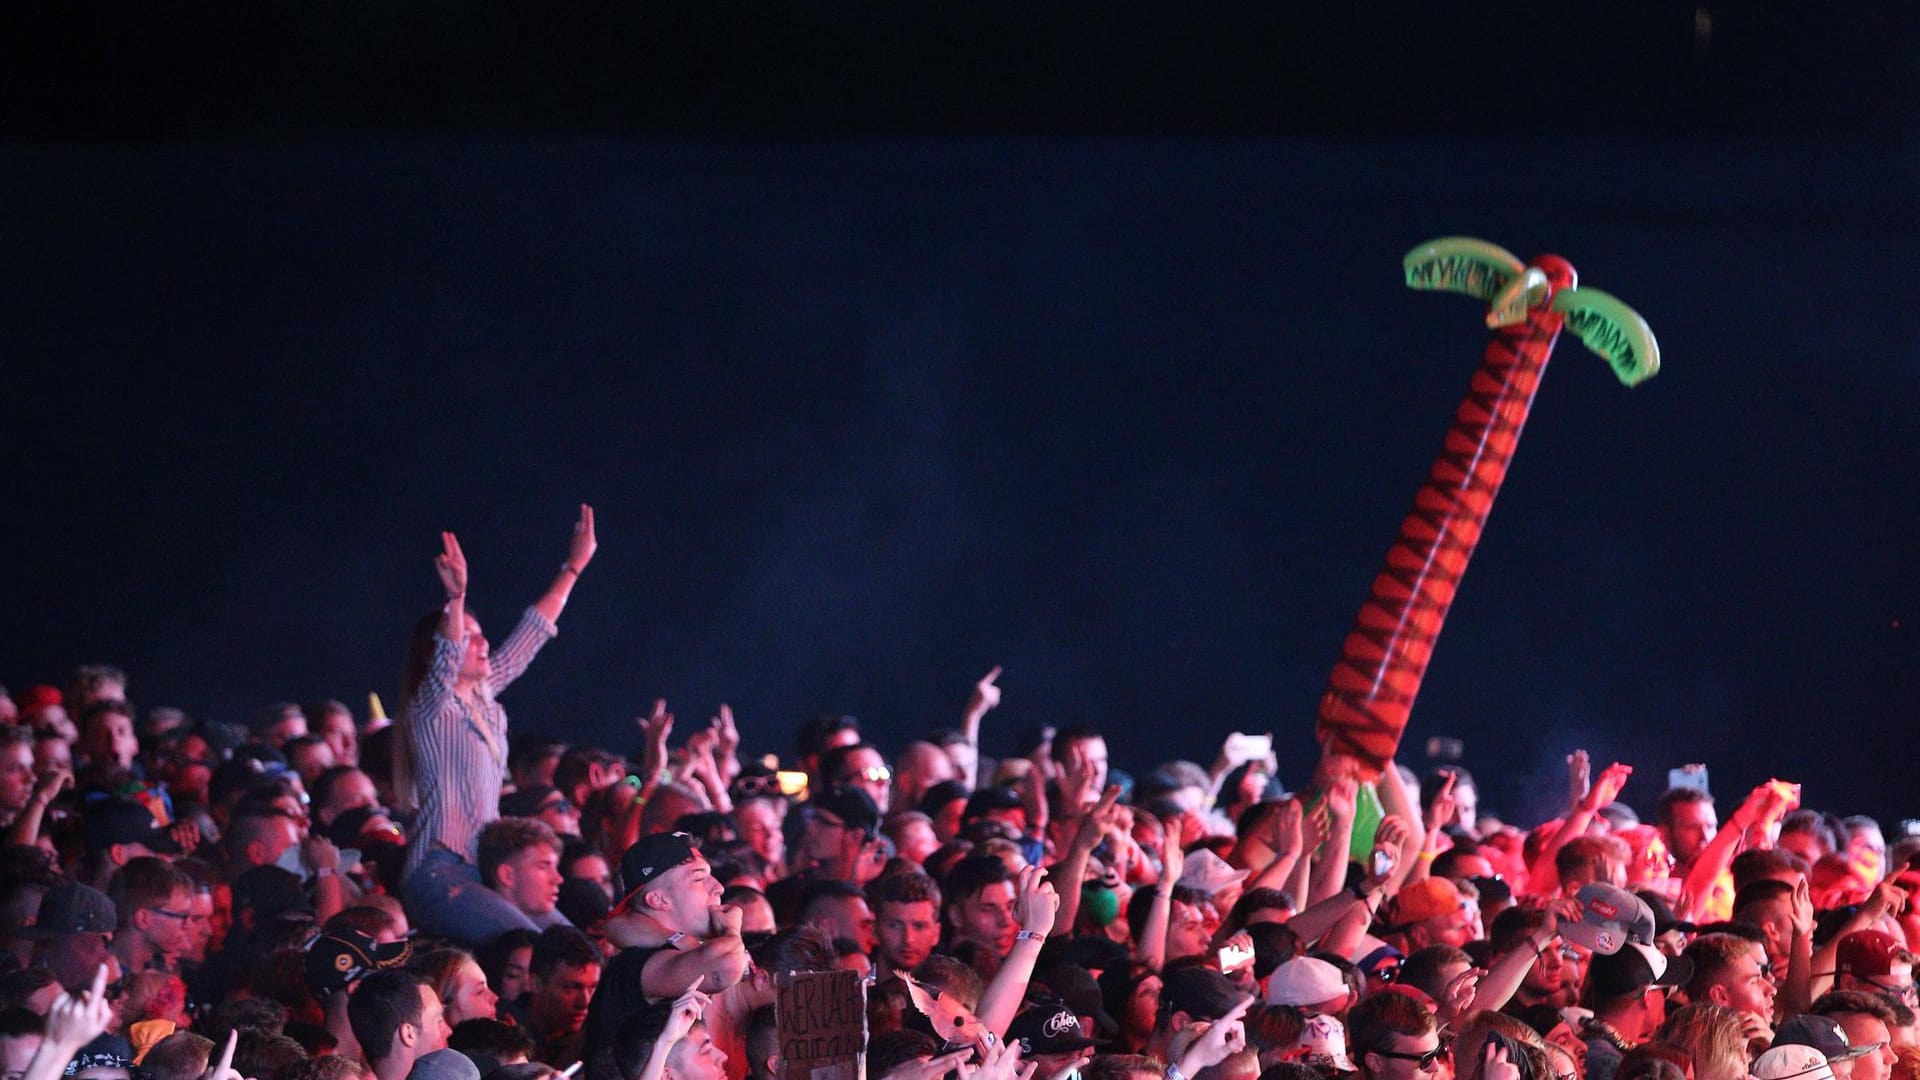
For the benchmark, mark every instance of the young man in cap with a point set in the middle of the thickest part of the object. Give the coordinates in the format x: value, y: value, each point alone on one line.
x: 1050, y: 1035
x: 1868, y: 1021
x: 837, y: 837
x: 1873, y: 962
x: 398, y: 1020
x: 676, y: 935
x: 1430, y: 911
x: 337, y: 961
x: 1189, y: 997
x: 1825, y: 1035
x: 1627, y: 993
x: 71, y: 935
x: 1309, y: 984
x: 118, y: 831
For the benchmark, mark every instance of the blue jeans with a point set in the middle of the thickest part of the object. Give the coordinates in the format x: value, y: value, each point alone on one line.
x: 444, y: 897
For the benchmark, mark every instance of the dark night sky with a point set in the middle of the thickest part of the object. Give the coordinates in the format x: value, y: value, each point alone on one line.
x: 1130, y: 401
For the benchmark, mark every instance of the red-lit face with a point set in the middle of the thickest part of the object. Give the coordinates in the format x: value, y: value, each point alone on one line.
x: 559, y: 1007
x: 1694, y: 826
x: 986, y: 918
x: 907, y: 933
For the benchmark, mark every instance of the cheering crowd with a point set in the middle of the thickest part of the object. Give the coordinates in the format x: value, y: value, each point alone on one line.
x: 320, y: 896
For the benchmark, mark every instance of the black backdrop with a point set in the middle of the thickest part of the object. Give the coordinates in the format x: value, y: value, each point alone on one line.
x: 894, y: 346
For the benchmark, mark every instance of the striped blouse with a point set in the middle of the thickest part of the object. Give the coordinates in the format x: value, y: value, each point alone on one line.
x: 460, y: 746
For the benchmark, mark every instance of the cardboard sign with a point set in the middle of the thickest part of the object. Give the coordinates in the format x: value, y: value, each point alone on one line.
x: 822, y: 1020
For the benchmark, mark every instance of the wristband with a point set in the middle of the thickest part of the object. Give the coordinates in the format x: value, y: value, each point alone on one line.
x: 1030, y: 935
x: 1173, y: 1072
x: 324, y: 872
x: 567, y: 568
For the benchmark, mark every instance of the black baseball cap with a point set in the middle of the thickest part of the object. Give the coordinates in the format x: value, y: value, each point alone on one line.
x: 1636, y: 967
x: 852, y: 806
x: 1048, y: 1028
x: 73, y: 908
x: 652, y: 856
x: 527, y: 802
x: 120, y: 821
x: 339, y: 958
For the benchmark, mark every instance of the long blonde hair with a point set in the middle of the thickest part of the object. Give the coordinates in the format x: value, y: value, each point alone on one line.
x: 1711, y: 1036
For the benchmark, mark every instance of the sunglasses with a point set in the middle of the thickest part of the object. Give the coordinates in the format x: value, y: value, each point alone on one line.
x: 1422, y: 1062
x: 873, y: 774
x: 756, y: 785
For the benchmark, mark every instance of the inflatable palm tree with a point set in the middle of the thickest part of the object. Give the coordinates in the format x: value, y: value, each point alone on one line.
x: 1371, y: 690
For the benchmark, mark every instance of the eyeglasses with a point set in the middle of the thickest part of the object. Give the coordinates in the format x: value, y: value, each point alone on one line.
x: 183, y: 915
x: 1903, y: 991
x: 1422, y: 1062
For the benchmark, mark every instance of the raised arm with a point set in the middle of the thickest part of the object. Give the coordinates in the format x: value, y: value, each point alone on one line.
x: 1542, y: 878
x: 579, y: 553
x: 1036, y: 905
x: 986, y: 696
x: 451, y: 565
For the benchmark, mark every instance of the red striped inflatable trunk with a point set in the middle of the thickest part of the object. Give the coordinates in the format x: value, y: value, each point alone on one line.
x: 1373, y: 685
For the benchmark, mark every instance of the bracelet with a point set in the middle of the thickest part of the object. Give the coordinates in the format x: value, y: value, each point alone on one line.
x: 567, y: 568
x: 1429, y: 856
x: 1030, y: 935
x: 1173, y: 1072
x: 324, y: 872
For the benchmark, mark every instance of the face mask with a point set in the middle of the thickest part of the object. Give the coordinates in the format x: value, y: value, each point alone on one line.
x: 1101, y: 904
x: 289, y: 861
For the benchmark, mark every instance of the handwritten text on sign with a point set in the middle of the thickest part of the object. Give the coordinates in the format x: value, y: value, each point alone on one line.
x: 822, y: 1019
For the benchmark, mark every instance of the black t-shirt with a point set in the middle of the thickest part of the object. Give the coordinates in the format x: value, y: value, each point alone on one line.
x: 622, y: 992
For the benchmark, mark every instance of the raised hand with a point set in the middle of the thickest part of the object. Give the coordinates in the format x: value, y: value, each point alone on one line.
x: 687, y: 1010
x: 1035, y: 903
x: 1342, y: 791
x: 1097, y: 822
x: 1078, y: 781
x: 1002, y: 1062
x: 451, y: 565
x: 1287, y: 835
x: 1800, y: 910
x: 221, y: 1067
x: 1200, y: 1045
x: 726, y: 733
x: 1606, y: 789
x: 1496, y: 1064
x: 581, y: 547
x: 76, y: 1019
x: 319, y: 853
x: 186, y: 834
x: 654, y: 730
x: 929, y: 1068
x: 1579, y: 777
x: 1173, y: 857
x: 986, y: 696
